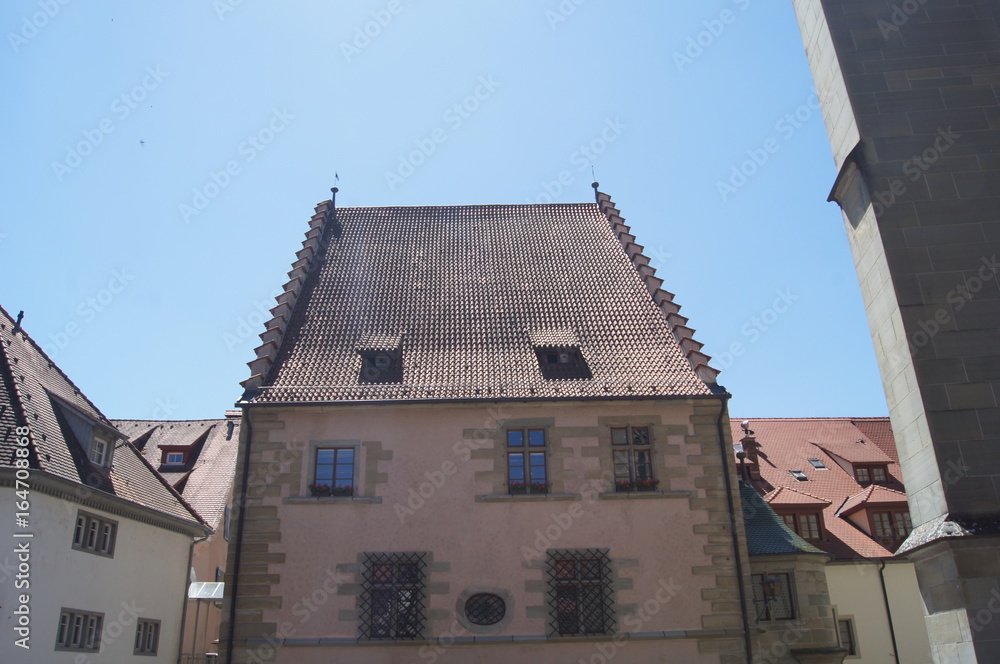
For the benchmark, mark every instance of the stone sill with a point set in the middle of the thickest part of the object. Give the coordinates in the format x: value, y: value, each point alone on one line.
x: 642, y: 495
x: 526, y: 497
x: 331, y: 500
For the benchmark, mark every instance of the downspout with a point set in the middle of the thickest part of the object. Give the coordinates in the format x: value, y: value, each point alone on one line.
x: 888, y: 612
x: 237, y: 558
x: 733, y: 531
x: 180, y: 649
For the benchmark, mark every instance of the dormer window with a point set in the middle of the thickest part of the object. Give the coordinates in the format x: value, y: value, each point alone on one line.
x: 871, y: 474
x: 174, y: 458
x: 559, y: 355
x: 101, y: 448
x: 381, y: 358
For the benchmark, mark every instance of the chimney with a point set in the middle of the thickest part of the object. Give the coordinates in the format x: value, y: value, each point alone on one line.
x: 750, y: 448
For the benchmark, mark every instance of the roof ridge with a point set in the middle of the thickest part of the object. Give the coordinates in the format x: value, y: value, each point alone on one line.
x: 677, y: 324
x: 823, y: 419
x: 806, y: 493
x: 55, y: 366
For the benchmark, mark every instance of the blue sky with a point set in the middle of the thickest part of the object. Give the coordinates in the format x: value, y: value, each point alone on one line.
x: 161, y: 162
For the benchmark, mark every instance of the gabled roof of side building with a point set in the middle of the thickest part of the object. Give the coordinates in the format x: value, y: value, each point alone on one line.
x: 787, y: 444
x: 36, y: 394
x: 465, y: 298
x: 206, y: 478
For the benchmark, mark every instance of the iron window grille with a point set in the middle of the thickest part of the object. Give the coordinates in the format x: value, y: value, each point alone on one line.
x: 79, y: 630
x: 580, y: 596
x: 485, y: 609
x: 778, y: 607
x: 393, y: 593
x: 95, y: 534
x: 526, y: 470
x: 147, y: 637
x: 632, y: 452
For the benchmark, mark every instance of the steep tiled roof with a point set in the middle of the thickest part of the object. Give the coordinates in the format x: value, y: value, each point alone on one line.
x: 207, y: 479
x: 466, y: 293
x: 36, y: 393
x: 766, y: 531
x: 788, y: 444
x: 855, y: 451
x: 789, y: 496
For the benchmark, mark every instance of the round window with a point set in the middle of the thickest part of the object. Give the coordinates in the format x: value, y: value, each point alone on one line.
x: 485, y: 609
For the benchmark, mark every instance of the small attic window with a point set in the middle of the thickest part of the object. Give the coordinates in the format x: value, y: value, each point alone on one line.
x: 559, y: 355
x: 101, y: 449
x: 817, y: 464
x: 174, y: 458
x: 381, y: 358
x: 799, y: 475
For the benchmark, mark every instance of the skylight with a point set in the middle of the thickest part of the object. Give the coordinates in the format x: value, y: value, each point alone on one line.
x: 799, y: 475
x: 816, y: 463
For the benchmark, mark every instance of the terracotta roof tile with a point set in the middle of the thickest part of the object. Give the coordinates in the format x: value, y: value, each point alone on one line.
x: 788, y: 444
x: 874, y: 495
x: 789, y: 496
x: 467, y: 289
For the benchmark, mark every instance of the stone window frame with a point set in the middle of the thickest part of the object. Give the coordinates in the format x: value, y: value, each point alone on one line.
x: 80, y: 538
x: 498, y: 628
x: 789, y: 587
x: 853, y: 651
x: 359, y: 470
x: 630, y: 448
x: 143, y: 628
x: 64, y: 635
x: 526, y: 450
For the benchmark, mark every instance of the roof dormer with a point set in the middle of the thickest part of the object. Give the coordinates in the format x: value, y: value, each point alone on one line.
x: 559, y: 354
x: 381, y: 358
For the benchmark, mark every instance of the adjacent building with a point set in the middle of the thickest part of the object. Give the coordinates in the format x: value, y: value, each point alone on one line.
x: 836, y: 483
x: 485, y: 433
x: 198, y: 459
x: 908, y: 91
x: 97, y: 545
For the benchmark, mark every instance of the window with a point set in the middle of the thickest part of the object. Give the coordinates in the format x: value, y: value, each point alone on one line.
x: 485, y: 609
x: 220, y: 575
x: 807, y: 525
x: 225, y: 522
x: 334, y: 472
x: 100, y: 449
x: 772, y: 596
x: 817, y: 464
x: 174, y: 458
x: 846, y: 630
x: 580, y: 597
x: 526, y: 472
x: 95, y: 534
x: 562, y: 363
x: 79, y: 630
x: 799, y: 475
x: 891, y: 527
x: 632, y: 454
x: 392, y: 596
x: 147, y: 637
x: 869, y: 474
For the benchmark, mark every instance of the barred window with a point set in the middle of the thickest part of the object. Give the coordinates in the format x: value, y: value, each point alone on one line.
x: 79, y: 630
x: 632, y: 453
x: 776, y: 607
x: 392, y: 596
x: 581, y: 600
x: 147, y: 637
x: 526, y: 461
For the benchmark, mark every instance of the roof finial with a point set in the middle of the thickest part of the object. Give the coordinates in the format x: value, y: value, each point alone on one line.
x: 597, y: 194
x: 17, y: 323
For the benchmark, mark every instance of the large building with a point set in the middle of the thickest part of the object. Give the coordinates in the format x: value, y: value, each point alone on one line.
x: 485, y: 433
x: 908, y: 91
x: 837, y: 483
x: 97, y: 544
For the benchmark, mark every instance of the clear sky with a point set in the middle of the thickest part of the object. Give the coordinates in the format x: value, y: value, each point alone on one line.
x: 161, y: 162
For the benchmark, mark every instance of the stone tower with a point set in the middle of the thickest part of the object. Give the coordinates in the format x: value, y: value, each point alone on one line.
x: 909, y: 98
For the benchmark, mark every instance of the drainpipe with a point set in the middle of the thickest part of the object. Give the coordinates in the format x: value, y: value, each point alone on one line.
x: 732, y: 529
x: 888, y: 612
x: 180, y: 648
x: 238, y: 557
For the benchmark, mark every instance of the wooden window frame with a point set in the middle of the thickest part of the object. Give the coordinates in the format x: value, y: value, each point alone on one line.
x: 635, y: 480
x: 528, y: 452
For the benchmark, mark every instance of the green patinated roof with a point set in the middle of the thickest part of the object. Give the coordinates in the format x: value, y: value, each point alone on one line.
x: 766, y: 532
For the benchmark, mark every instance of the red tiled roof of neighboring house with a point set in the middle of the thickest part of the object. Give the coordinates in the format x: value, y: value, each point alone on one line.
x: 37, y: 394
x: 788, y: 444
x: 873, y: 495
x: 466, y: 296
x: 206, y: 479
